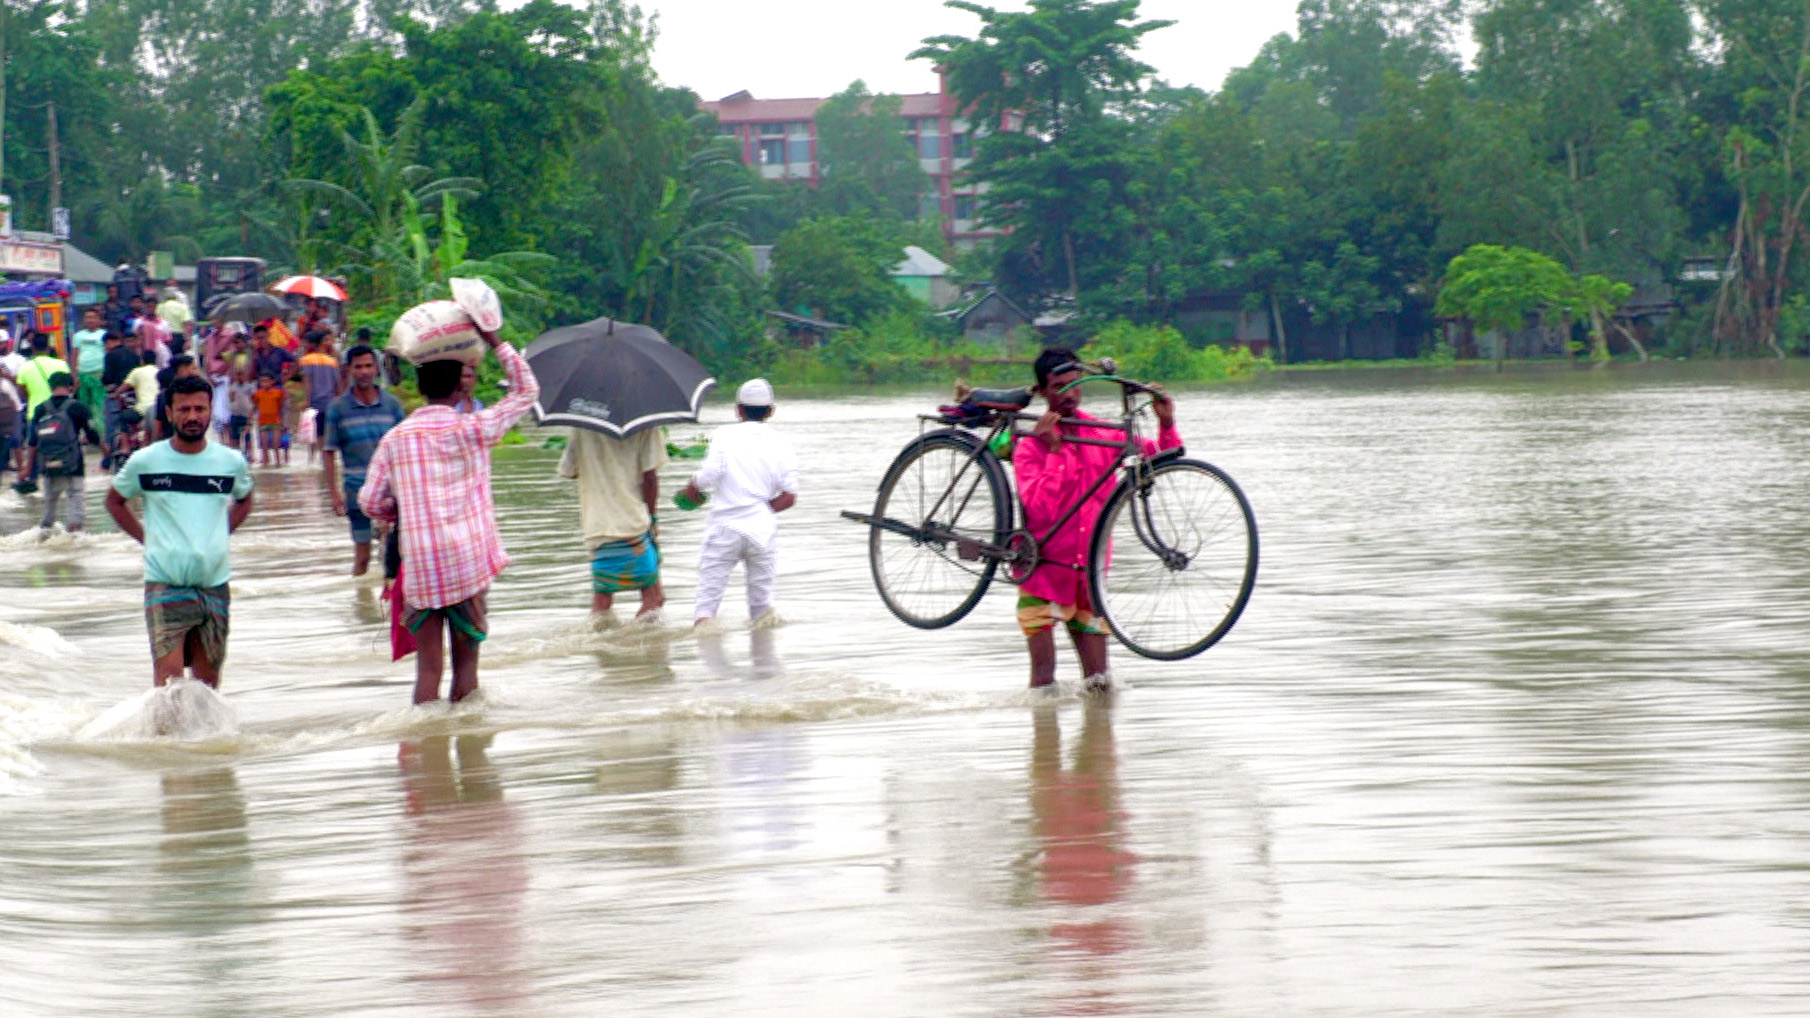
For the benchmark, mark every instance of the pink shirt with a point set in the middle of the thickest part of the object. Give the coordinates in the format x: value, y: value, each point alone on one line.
x: 1050, y: 482
x: 432, y: 474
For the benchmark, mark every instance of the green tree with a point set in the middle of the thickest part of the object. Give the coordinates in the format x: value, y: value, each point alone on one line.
x: 838, y: 268
x: 1044, y: 86
x: 1497, y: 288
x: 868, y: 164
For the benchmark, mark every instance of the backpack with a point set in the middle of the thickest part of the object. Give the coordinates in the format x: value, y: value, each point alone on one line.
x: 60, y: 442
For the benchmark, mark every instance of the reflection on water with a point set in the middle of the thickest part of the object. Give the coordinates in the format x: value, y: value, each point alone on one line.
x: 1515, y: 725
x: 1083, y: 863
x: 464, y: 874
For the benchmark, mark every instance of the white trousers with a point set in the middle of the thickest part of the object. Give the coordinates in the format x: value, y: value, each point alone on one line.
x: 723, y: 548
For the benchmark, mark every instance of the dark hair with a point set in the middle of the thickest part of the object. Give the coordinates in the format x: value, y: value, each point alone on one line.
x: 314, y: 337
x: 185, y: 385
x: 260, y: 327
x: 1049, y: 361
x: 266, y: 374
x: 439, y: 379
x: 61, y: 380
x: 361, y: 350
x: 40, y: 343
x: 147, y: 357
x: 113, y: 336
x: 754, y: 413
x: 364, y: 334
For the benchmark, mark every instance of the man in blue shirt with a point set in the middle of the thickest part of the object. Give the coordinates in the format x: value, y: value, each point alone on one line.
x: 352, y: 426
x: 196, y: 494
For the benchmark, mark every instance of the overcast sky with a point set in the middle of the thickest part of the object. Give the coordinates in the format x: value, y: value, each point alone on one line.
x: 795, y: 48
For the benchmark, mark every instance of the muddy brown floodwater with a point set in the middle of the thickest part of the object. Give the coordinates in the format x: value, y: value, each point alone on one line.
x: 1517, y: 723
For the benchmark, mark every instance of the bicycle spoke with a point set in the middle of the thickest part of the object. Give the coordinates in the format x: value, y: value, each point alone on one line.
x: 1181, y: 554
x: 949, y: 495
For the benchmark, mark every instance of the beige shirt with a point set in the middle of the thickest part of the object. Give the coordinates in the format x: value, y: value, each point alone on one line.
x: 609, y: 481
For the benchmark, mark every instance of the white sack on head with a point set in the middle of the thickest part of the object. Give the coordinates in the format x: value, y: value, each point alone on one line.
x: 479, y: 301
x: 439, y: 330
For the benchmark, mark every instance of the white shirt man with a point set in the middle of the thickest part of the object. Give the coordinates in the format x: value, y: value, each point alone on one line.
x: 752, y: 476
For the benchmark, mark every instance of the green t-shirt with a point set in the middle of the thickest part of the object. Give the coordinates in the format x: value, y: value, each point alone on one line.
x: 35, y: 376
x: 91, y: 350
x: 187, y: 497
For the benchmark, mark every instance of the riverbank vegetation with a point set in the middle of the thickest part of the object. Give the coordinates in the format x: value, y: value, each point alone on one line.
x: 1323, y: 197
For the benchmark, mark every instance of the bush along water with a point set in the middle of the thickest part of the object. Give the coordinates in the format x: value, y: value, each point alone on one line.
x: 1159, y: 353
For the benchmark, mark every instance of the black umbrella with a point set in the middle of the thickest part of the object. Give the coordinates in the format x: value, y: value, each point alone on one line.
x: 615, y: 377
x: 248, y: 307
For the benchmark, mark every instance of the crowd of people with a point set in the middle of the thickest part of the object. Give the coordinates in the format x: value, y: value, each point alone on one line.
x: 183, y: 414
x: 420, y: 482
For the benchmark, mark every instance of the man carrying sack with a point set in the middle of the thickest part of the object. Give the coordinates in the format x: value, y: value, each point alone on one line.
x: 430, y: 477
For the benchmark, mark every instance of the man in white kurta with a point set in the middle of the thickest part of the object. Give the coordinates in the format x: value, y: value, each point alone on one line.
x: 751, y: 476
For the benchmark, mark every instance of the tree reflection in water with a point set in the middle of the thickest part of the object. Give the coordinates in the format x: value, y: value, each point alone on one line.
x: 464, y: 871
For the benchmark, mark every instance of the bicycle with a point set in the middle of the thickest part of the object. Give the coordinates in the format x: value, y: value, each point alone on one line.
x: 1170, y: 567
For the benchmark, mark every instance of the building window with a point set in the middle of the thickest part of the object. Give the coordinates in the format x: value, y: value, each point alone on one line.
x: 929, y: 207
x: 772, y: 153
x: 965, y: 206
x: 964, y: 145
x: 798, y: 151
x: 799, y: 129
x: 726, y: 130
x: 773, y: 129
x: 930, y: 143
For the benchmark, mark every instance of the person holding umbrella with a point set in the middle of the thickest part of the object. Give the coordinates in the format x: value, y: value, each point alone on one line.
x: 618, y: 491
x: 615, y: 383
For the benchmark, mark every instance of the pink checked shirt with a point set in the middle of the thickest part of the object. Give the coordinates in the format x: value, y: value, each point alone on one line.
x: 1050, y: 482
x: 432, y: 472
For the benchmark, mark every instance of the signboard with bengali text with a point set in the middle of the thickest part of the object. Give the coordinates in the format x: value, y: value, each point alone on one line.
x: 28, y: 256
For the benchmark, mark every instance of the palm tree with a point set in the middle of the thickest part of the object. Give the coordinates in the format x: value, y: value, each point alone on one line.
x: 389, y: 188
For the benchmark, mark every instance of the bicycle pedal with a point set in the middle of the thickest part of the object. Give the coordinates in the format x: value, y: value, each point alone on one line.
x: 967, y: 551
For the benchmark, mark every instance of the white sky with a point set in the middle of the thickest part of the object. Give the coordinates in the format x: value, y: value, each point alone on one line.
x: 781, y: 49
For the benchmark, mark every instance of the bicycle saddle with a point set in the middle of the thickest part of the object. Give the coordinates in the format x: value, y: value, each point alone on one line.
x: 994, y: 399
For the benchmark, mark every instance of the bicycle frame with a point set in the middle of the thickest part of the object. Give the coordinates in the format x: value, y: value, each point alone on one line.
x: 1129, y: 464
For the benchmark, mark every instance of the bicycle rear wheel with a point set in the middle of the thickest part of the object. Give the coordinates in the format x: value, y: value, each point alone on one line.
x: 1174, y: 559
x: 952, y: 492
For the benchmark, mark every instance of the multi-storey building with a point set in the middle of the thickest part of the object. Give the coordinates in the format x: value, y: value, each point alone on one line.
x: 778, y: 137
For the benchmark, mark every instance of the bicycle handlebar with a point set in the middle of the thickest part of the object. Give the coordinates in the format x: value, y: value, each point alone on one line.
x: 1131, y: 385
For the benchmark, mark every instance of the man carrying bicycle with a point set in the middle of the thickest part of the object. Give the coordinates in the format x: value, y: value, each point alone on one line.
x: 1053, y: 474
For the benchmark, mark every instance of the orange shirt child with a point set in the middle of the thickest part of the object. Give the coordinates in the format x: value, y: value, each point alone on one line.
x: 269, y: 399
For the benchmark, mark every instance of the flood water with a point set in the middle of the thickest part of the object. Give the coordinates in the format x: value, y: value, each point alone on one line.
x: 1517, y: 723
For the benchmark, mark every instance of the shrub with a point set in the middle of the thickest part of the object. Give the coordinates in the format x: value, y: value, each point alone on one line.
x: 1159, y: 353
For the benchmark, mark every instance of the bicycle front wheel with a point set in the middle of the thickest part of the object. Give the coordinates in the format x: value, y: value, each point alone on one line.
x: 952, y: 493
x: 1174, y: 559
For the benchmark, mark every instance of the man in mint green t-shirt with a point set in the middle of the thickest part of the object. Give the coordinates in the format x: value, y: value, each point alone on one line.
x: 88, y: 355
x: 196, y: 494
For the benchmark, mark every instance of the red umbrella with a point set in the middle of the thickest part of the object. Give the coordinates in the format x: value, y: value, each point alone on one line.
x: 310, y: 286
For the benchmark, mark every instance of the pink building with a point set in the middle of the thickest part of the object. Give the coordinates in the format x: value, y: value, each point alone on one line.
x: 778, y: 137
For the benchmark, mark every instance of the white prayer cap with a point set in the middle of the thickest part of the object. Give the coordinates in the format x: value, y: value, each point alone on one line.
x: 755, y: 392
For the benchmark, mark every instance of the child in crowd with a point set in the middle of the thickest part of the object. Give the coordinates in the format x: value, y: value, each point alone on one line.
x: 223, y: 403
x: 269, y: 399
x: 243, y: 409
x: 142, y: 381
x: 753, y: 476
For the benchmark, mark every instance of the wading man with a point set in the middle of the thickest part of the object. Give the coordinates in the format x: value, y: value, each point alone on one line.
x: 350, y: 430
x: 196, y: 494
x: 431, y: 476
x: 618, y: 488
x: 1053, y: 473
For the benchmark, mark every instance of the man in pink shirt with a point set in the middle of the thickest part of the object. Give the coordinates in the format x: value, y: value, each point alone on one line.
x: 431, y: 476
x: 1053, y: 474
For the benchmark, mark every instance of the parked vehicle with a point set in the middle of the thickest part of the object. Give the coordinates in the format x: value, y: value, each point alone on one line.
x: 219, y: 278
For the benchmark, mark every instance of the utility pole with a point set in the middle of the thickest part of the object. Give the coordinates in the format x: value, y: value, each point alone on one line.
x: 56, y: 170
